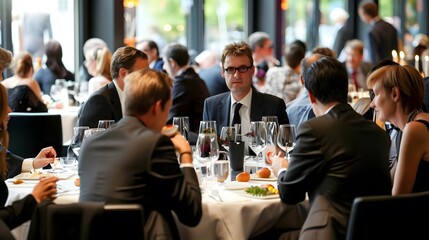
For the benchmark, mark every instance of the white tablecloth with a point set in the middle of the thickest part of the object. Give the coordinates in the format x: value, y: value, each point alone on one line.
x: 68, y: 120
x: 237, y: 217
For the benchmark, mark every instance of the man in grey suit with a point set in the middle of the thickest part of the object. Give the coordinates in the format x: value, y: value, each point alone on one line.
x: 357, y: 69
x: 382, y: 37
x: 338, y: 155
x: 133, y: 162
x: 238, y: 69
x: 106, y: 102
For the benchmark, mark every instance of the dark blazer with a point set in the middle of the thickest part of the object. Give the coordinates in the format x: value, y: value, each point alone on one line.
x: 18, y: 212
x: 214, y: 81
x: 189, y: 93
x: 218, y: 107
x: 343, y: 35
x: 382, y: 39
x: 159, y: 65
x: 129, y: 163
x: 102, y: 104
x: 337, y: 157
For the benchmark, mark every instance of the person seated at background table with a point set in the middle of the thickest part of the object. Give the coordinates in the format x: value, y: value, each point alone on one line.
x: 189, y: 90
x: 152, y: 51
x: 238, y: 70
x: 284, y: 82
x: 16, y: 164
x: 24, y: 92
x: 398, y: 99
x: 54, y: 67
x: 100, y: 71
x: 338, y: 155
x: 105, y: 103
x: 88, y: 48
x: 20, y: 211
x: 357, y: 69
x: 132, y: 162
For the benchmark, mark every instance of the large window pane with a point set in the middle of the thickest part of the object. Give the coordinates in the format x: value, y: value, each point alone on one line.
x: 223, y: 23
x: 162, y: 21
x: 332, y: 18
x: 35, y: 22
x: 296, y: 13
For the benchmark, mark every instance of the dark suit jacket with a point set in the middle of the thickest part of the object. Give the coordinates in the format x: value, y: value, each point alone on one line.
x: 129, y: 163
x: 343, y: 35
x: 218, y: 107
x: 159, y: 65
x: 102, y: 104
x: 337, y: 157
x: 382, y: 39
x: 18, y: 212
x: 214, y: 81
x: 189, y: 93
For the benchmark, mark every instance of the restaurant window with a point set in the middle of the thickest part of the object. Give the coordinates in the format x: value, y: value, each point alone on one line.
x: 224, y: 20
x: 296, y: 13
x: 333, y: 16
x: 36, y: 22
x: 162, y: 21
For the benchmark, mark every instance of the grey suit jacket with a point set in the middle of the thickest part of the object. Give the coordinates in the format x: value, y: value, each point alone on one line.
x: 337, y: 157
x: 218, y: 107
x: 102, y: 104
x: 129, y: 163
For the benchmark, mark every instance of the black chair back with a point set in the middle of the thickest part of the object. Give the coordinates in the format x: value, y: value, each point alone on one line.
x: 389, y: 217
x: 30, y: 132
x: 87, y: 221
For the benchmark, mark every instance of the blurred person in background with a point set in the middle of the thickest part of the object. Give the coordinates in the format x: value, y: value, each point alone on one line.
x: 88, y: 49
x: 152, y: 51
x: 54, y: 67
x: 357, y: 69
x: 24, y: 93
x: 101, y: 72
x: 211, y: 72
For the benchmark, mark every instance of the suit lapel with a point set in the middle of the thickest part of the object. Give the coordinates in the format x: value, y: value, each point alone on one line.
x: 257, y: 109
x: 223, y: 108
x: 114, y: 99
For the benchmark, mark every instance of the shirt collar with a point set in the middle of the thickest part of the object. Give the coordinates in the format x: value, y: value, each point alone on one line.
x: 246, y: 101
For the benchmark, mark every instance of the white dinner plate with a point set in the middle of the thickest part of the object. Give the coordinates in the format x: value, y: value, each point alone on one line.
x: 270, y: 196
x: 37, y: 175
x: 255, y: 177
x: 234, y: 185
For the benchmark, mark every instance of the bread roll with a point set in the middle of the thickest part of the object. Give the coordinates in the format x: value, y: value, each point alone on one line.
x: 243, y: 177
x: 263, y: 173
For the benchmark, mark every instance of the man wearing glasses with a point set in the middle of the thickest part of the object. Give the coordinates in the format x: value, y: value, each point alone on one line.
x: 250, y: 105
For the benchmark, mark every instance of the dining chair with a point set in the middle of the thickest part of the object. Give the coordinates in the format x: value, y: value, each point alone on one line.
x: 87, y: 221
x: 389, y: 217
x: 30, y: 132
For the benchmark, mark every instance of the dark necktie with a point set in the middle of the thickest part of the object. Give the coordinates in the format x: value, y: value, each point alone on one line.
x: 354, y: 78
x: 237, y: 119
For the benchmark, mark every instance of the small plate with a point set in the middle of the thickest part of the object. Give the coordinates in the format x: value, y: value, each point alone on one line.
x: 255, y: 177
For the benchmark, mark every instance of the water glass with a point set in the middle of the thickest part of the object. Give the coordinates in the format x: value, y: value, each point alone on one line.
x: 89, y: 132
x: 68, y: 162
x: 105, y: 123
x: 221, y: 168
x: 182, y: 124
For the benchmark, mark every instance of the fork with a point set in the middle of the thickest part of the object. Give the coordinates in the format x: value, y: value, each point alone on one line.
x: 216, y: 196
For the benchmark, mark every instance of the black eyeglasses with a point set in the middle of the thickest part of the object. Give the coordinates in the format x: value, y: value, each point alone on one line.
x: 241, y: 69
x: 371, y: 94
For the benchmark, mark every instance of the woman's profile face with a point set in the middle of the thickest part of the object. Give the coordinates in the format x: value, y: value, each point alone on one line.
x: 382, y: 103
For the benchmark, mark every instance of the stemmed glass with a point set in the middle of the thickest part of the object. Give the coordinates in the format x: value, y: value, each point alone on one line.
x: 89, y: 132
x: 271, y: 119
x: 77, y: 139
x: 257, y: 137
x: 271, y: 141
x: 227, y: 135
x: 182, y: 124
x: 286, y: 137
x: 81, y: 92
x: 207, y: 148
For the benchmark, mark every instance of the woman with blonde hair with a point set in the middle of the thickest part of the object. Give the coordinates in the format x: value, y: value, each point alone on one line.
x: 100, y: 69
x: 24, y: 92
x: 398, y: 99
x: 19, y: 211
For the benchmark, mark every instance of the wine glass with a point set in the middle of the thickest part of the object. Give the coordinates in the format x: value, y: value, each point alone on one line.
x: 257, y: 137
x: 105, y: 123
x: 81, y: 92
x: 182, y: 124
x: 77, y: 139
x: 286, y: 137
x: 271, y: 141
x: 227, y: 135
x: 89, y: 132
x: 271, y: 119
x: 207, y: 148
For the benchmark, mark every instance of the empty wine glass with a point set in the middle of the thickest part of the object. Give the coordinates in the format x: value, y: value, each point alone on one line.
x: 257, y: 137
x: 90, y: 132
x: 271, y: 119
x: 286, y: 137
x: 227, y: 135
x: 270, y: 149
x: 182, y: 124
x: 81, y: 92
x: 207, y: 148
x: 105, y: 123
x: 77, y: 139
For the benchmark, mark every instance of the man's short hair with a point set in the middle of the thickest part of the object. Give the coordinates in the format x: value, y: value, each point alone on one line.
x: 258, y: 39
x: 355, y: 45
x: 369, y: 8
x: 143, y: 88
x: 294, y: 54
x: 151, y: 45
x: 236, y: 49
x: 177, y: 52
x: 124, y: 57
x: 326, y: 78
